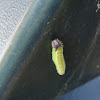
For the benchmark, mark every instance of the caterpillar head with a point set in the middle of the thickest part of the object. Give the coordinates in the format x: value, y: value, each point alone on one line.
x: 56, y: 44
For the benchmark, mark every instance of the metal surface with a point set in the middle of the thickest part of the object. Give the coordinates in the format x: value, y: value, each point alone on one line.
x: 35, y: 19
x: 27, y: 71
x: 88, y: 91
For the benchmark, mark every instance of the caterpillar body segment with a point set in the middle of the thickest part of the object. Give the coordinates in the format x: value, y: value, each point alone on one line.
x: 53, y: 55
x: 58, y: 57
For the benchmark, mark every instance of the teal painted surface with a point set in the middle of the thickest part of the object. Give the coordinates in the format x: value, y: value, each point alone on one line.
x: 88, y: 91
x: 37, y: 15
x: 34, y: 75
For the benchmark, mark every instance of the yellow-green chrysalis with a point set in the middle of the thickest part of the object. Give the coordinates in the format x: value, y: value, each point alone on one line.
x: 58, y: 57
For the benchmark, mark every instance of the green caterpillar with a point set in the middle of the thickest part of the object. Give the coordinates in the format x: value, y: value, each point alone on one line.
x: 58, y: 57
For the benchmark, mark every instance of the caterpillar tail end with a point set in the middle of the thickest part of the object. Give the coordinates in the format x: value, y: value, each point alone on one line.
x: 61, y: 73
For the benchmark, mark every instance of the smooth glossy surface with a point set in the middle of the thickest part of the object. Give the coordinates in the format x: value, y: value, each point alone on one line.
x: 29, y: 30
x: 88, y: 91
x: 27, y: 69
